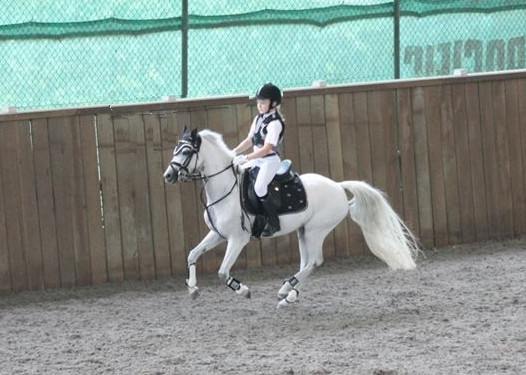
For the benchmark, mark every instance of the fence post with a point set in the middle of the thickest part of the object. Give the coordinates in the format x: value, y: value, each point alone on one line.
x: 396, y: 54
x: 184, y: 49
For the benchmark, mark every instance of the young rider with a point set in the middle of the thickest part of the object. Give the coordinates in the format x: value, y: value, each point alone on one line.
x: 265, y: 135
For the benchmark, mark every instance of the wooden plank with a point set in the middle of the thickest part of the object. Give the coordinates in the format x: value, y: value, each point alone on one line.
x: 517, y: 168
x: 407, y: 159
x: 319, y: 136
x: 422, y: 167
x: 489, y: 157
x: 464, y: 175
x: 5, y: 277
x: 290, y: 141
x: 142, y: 204
x: 110, y: 198
x: 46, y: 203
x: 303, y: 118
x: 334, y: 141
x: 449, y: 164
x: 356, y: 242
x: 82, y: 256
x: 63, y: 174
x: 363, y: 144
x: 124, y: 136
x: 158, y: 204
x: 97, y: 247
x: 28, y: 199
x: 476, y: 161
x: 13, y: 205
x: 378, y: 140
x: 436, y: 168
x: 13, y: 268
x: 503, y: 200
x: 177, y: 237
x: 522, y: 128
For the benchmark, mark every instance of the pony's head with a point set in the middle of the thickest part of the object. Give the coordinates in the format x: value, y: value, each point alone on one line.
x: 185, y: 161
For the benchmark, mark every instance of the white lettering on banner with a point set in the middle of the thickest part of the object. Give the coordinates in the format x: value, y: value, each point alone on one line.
x: 473, y: 54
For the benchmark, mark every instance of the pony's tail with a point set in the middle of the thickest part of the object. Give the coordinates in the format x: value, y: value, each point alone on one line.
x: 385, y: 233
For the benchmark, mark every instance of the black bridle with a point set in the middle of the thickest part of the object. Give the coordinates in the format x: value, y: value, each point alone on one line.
x: 189, y: 149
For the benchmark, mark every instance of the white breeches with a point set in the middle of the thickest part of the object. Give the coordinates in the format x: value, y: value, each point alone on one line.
x: 267, y: 170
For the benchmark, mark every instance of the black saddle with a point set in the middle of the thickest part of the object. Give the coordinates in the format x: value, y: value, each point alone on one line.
x: 285, y: 192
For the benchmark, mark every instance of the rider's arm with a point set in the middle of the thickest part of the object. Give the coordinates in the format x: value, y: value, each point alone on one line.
x: 243, y: 146
x: 266, y: 149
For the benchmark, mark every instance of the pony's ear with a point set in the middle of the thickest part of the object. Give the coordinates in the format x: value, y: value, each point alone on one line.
x: 187, y: 135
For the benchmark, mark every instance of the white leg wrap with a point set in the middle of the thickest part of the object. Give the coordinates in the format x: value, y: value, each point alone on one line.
x: 192, y: 280
x: 290, y: 299
x: 284, y: 290
x: 238, y: 287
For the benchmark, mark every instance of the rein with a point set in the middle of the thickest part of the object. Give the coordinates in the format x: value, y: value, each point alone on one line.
x: 188, y: 147
x: 207, y: 206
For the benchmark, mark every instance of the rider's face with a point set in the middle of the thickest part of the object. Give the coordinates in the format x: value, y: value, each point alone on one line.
x: 263, y: 105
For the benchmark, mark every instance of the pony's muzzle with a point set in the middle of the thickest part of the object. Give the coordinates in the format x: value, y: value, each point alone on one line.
x: 171, y: 175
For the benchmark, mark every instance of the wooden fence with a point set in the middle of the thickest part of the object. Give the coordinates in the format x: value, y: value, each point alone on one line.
x: 82, y: 200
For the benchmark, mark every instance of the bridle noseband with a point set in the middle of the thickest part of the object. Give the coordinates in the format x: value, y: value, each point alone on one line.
x: 188, y: 149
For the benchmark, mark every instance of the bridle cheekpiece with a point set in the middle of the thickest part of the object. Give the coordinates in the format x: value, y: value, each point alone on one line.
x: 188, y: 147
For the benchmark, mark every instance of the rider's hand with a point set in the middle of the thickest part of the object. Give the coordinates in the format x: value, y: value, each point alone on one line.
x: 239, y: 160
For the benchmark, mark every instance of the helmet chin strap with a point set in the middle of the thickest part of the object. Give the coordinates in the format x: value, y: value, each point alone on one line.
x: 272, y: 107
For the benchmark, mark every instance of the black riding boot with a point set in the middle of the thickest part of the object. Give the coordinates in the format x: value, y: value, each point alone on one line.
x: 273, y: 219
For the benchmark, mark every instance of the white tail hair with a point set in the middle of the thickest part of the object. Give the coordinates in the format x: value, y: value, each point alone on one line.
x: 385, y: 232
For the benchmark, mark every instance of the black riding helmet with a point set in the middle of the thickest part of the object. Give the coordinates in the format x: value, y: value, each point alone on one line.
x: 269, y: 91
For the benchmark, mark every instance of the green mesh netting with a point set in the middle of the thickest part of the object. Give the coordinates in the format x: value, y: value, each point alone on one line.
x: 56, y: 53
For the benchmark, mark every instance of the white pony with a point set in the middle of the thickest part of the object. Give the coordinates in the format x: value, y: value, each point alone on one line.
x: 204, y: 156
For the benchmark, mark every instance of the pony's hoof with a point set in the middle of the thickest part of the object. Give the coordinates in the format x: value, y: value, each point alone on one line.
x: 289, y: 299
x: 244, y: 291
x: 194, y: 292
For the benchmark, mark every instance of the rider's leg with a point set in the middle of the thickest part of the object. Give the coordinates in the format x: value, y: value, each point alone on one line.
x: 273, y: 218
x: 267, y: 171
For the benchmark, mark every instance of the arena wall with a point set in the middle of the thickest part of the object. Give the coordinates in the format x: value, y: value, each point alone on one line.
x: 82, y: 200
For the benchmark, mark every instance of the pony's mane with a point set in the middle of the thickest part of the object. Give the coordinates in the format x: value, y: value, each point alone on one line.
x: 216, y: 139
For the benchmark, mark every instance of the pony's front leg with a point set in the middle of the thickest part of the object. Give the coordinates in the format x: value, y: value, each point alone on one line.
x: 233, y: 249
x: 211, y: 240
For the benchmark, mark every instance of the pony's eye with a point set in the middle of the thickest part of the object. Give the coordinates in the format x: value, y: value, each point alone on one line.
x: 186, y: 152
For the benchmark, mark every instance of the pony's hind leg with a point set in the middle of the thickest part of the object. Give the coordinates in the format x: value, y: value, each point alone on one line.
x: 311, y: 250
